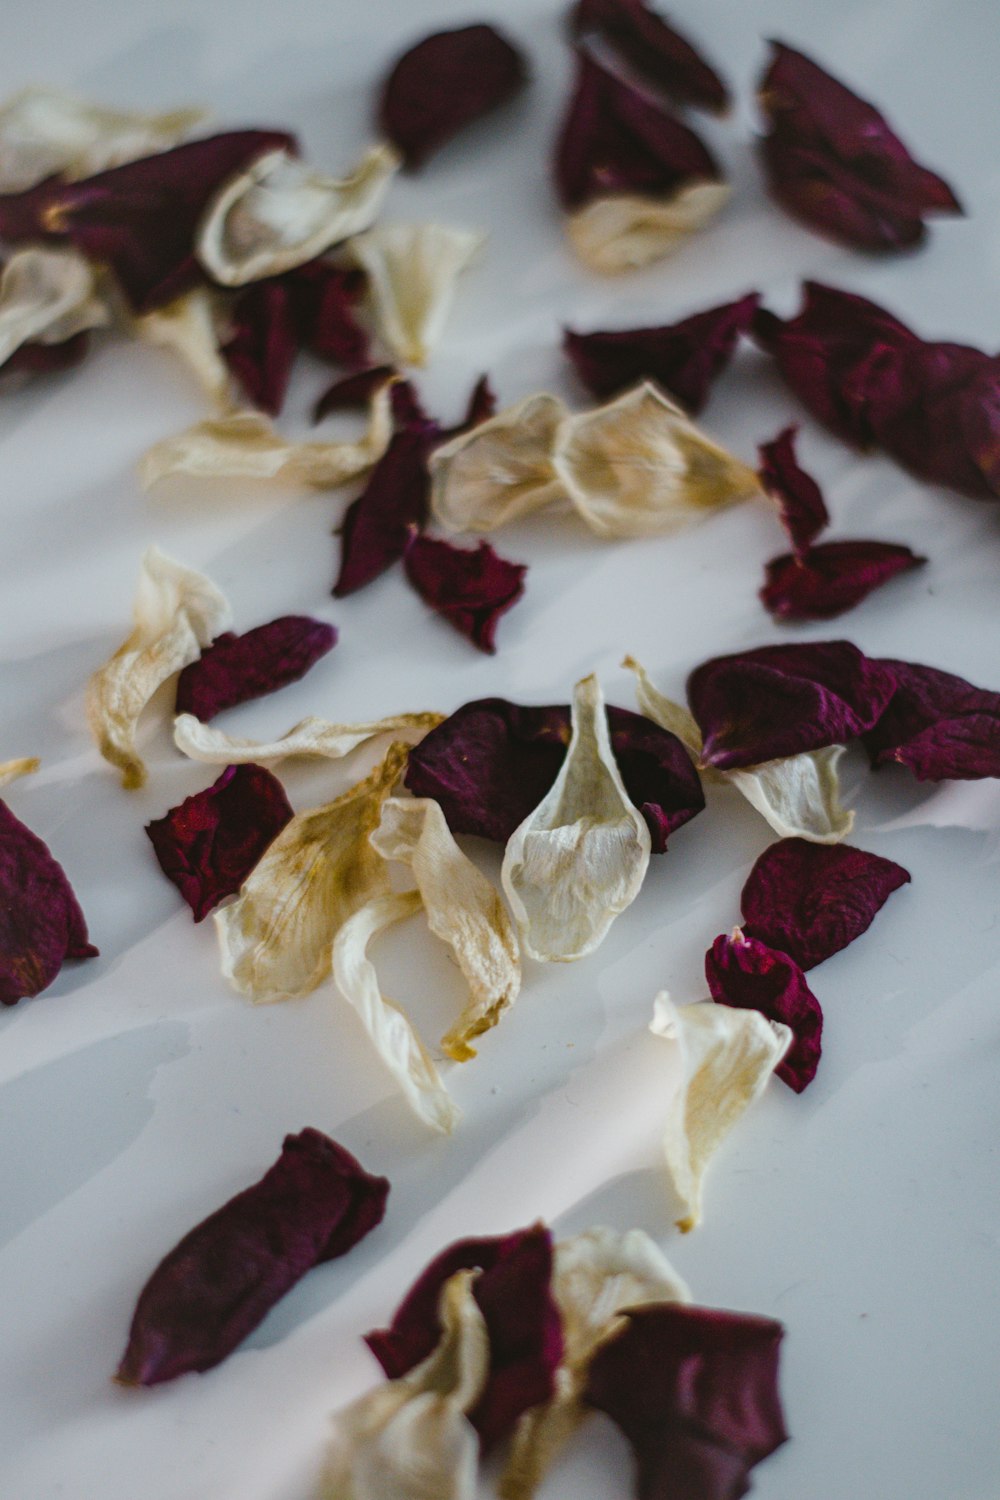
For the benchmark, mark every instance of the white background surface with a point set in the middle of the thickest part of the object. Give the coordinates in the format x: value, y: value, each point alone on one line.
x: 140, y: 1092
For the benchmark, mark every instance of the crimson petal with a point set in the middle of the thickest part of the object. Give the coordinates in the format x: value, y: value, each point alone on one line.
x: 803, y: 509
x: 263, y: 344
x: 470, y: 588
x: 236, y: 668
x: 350, y: 392
x: 47, y: 359
x: 377, y: 525
x: 830, y: 579
x: 323, y: 298
x: 41, y: 924
x: 22, y: 215
x: 654, y: 49
x: 748, y: 974
x: 482, y: 405
x: 938, y: 725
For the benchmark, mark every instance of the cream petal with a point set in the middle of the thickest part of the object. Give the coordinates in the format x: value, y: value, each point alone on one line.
x: 10, y: 770
x: 310, y: 737
x: 500, y: 470
x: 190, y: 327
x: 799, y: 795
x: 412, y: 271
x: 671, y: 716
x: 46, y: 296
x: 627, y: 230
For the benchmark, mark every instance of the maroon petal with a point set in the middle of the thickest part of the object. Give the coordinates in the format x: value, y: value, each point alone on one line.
x: 444, y: 83
x: 324, y: 297
x: 481, y: 406
x: 23, y: 215
x: 226, y: 1274
x: 351, y: 392
x: 41, y: 924
x: 513, y: 1292
x: 47, y: 359
x: 831, y: 579
x: 695, y: 1391
x: 236, y: 668
x: 654, y: 49
x: 811, y: 900
x: 470, y: 588
x: 209, y: 844
x: 377, y: 525
x: 748, y: 974
x: 803, y: 509
x: 684, y: 358
x: 263, y: 345
x: 940, y: 726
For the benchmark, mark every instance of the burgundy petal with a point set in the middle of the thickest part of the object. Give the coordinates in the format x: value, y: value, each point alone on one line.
x: 263, y: 344
x: 22, y: 215
x: 226, y: 1274
x: 349, y: 392
x: 377, y: 525
x: 514, y: 1294
x: 491, y: 763
x: 746, y: 973
x: 470, y: 588
x: 684, y: 358
x: 811, y: 900
x: 654, y: 49
x: 323, y: 299
x: 695, y: 1391
x: 482, y: 405
x: 758, y: 705
x: 41, y: 924
x: 236, y: 668
x: 803, y: 509
x: 832, y: 578
x: 46, y: 359
x: 940, y: 726
x: 833, y: 161
x: 209, y: 844
x: 444, y: 83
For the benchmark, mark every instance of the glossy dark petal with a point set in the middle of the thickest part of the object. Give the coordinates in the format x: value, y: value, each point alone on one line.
x: 377, y: 525
x: 654, y: 49
x: 684, y: 358
x: 236, y: 668
x: 324, y: 298
x: 469, y: 587
x: 758, y: 705
x: 351, y: 392
x: 745, y: 972
x: 800, y: 501
x: 226, y: 1274
x: 444, y: 83
x: 832, y: 578
x: 938, y: 725
x: 209, y: 844
x: 810, y: 900
x: 41, y: 924
x: 263, y: 344
x: 514, y: 1294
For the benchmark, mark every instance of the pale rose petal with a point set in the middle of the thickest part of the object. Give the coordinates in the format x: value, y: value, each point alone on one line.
x: 190, y: 326
x: 726, y: 1057
x: 177, y: 611
x: 280, y: 213
x: 310, y: 737
x: 579, y: 859
x: 46, y: 296
x: 395, y: 1039
x: 412, y: 270
x: 276, y: 937
x: 10, y: 770
x: 799, y: 795
x: 500, y: 470
x: 463, y: 910
x: 627, y: 230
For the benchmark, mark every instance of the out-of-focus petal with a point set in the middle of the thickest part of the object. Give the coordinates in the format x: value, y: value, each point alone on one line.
x: 46, y: 297
x: 500, y: 470
x: 378, y: 524
x: 798, y: 497
x: 190, y: 327
x: 236, y: 668
x: 310, y: 737
x: 41, y: 923
x: 11, y: 770
x: 413, y: 270
x: 654, y: 49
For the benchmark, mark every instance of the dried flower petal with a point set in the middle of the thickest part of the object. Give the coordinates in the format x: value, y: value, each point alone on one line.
x: 579, y: 859
x: 482, y: 405
x: 377, y: 525
x: 412, y: 272
x: 803, y: 510
x: 744, y: 972
x: 189, y: 326
x: 46, y: 297
x: 324, y: 298
x: 226, y: 1274
x: 656, y: 51
x: 832, y: 578
x: 810, y: 902
x: 938, y: 725
x: 209, y: 844
x: 236, y: 668
x: 500, y: 470
x: 470, y: 588
x: 349, y: 392
x: 263, y: 343
x: 177, y: 612
x: 47, y: 359
x: 444, y: 83
x: 11, y: 770
x: 310, y: 737
x: 41, y: 924
x: 725, y: 1058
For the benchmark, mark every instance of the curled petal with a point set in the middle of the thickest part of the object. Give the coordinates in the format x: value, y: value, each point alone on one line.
x: 470, y: 588
x: 744, y: 972
x: 654, y: 49
x: 190, y: 327
x: 324, y: 298
x: 580, y: 858
x: 938, y: 725
x: 236, y: 668
x: 349, y: 392
x: 377, y: 525
x: 46, y: 297
x: 627, y: 231
x: 41, y: 924
x: 799, y: 795
x: 832, y: 578
x: 499, y: 470
x: 803, y: 510
x: 177, y: 612
x: 10, y: 770
x: 412, y: 273
x: 671, y: 716
x: 262, y: 343
x: 310, y: 737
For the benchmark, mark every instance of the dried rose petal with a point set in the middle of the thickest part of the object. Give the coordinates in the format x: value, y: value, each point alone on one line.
x: 48, y: 359
x: 481, y: 406
x: 226, y: 1274
x: 778, y: 700
x: 654, y: 49
x: 748, y: 974
x: 263, y: 345
x: 324, y: 298
x: 41, y: 924
x: 684, y: 358
x: 695, y: 1392
x: 46, y: 297
x: 236, y: 668
x: 209, y: 844
x: 377, y: 525
x: 413, y: 272
x: 470, y: 587
x: 832, y: 160
x: 353, y: 392
x: 514, y: 1293
x: 22, y: 215
x: 803, y: 510
x: 445, y: 82
x: 832, y: 578
x: 938, y: 725
x: 811, y: 900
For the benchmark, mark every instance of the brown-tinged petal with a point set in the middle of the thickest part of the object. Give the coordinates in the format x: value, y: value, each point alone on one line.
x: 798, y: 497
x: 500, y: 470
x: 41, y: 924
x: 938, y: 725
x: 190, y: 326
x: 378, y: 524
x: 744, y: 972
x: 46, y: 297
x: 11, y: 770
x: 654, y: 49
x: 413, y: 270
x: 236, y: 668
x: 471, y: 588
x: 226, y: 1274
x: 310, y: 737
x: 832, y: 578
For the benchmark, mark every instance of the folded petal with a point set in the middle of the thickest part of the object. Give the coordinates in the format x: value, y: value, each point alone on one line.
x: 938, y: 725
x: 654, y: 49
x: 799, y: 499
x: 236, y: 668
x: 11, y: 770
x: 626, y: 231
x: 499, y: 470
x: 324, y: 299
x: 832, y: 578
x: 190, y: 327
x: 799, y: 795
x: 412, y: 274
x: 746, y: 973
x: 469, y: 587
x: 263, y: 343
x: 377, y: 525
x: 46, y: 297
x: 41, y: 924
x: 310, y: 737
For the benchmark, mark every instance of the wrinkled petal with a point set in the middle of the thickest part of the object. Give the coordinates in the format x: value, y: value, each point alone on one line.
x: 463, y: 910
x: 656, y: 51
x: 579, y: 859
x: 673, y: 717
x: 627, y: 231
x: 236, y: 668
x: 46, y: 297
x: 220, y: 1280
x: 938, y: 725
x: 799, y: 499
x: 11, y: 770
x: 349, y: 392
x: 190, y: 327
x: 263, y: 343
x: 412, y: 274
x: 725, y: 1058
x: 832, y: 578
x: 310, y: 737
x: 470, y: 588
x: 744, y: 972
x: 481, y: 406
x: 177, y: 611
x: 41, y: 924
x: 377, y: 525
x: 47, y: 359
x: 500, y: 470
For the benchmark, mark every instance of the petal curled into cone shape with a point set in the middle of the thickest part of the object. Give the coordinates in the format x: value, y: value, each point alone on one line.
x: 443, y: 83
x: 832, y: 578
x: 190, y: 327
x: 810, y: 902
x: 471, y: 588
x: 412, y: 273
x: 209, y: 844
x: 220, y: 1280
x: 725, y: 1058
x: 640, y: 466
x: 177, y: 611
x: 938, y: 725
x: 798, y: 497
x: 579, y: 859
x: 377, y: 525
x: 310, y: 737
x: 41, y: 924
x: 12, y: 770
x: 499, y: 470
x: 46, y: 297
x: 832, y: 160
x: 746, y: 973
x: 236, y: 668
x: 654, y: 49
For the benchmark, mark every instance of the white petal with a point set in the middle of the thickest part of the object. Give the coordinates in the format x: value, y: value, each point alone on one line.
x: 280, y: 213
x: 310, y: 737
x: 177, y: 612
x: 500, y: 470
x: 412, y: 270
x: 46, y: 296
x: 799, y: 795
x: 628, y: 230
x: 579, y: 859
x: 671, y: 716
x: 189, y: 326
x: 10, y: 770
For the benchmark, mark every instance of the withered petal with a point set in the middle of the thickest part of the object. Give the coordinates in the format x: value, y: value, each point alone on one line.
x: 41, y: 923
x: 654, y: 49
x: 353, y: 392
x: 378, y: 524
x: 832, y: 578
x: 236, y: 668
x: 470, y: 587
x: 745, y: 972
x: 798, y: 497
x: 262, y: 347
x: 937, y: 724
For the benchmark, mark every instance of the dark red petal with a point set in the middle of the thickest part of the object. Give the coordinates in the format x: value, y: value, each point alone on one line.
x: 803, y: 509
x: 350, y: 392
x: 811, y: 900
x: 832, y: 578
x: 654, y: 49
x: 444, y: 83
x: 226, y: 1274
x: 236, y: 668
x: 470, y: 588
x: 47, y: 359
x: 377, y: 525
x: 940, y: 726
x: 759, y: 705
x: 513, y: 1292
x: 695, y: 1391
x: 684, y: 358
x: 482, y: 405
x: 209, y: 844
x: 263, y: 344
x: 22, y: 215
x: 323, y: 299
x: 750, y: 975
x: 41, y: 924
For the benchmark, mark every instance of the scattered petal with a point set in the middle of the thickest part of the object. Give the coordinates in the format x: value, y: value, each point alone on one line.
x: 744, y: 972
x: 671, y: 716
x: 803, y: 510
x: 324, y: 298
x: 500, y: 470
x: 263, y: 343
x: 377, y: 525
x: 190, y: 326
x: 236, y: 668
x: 626, y: 231
x: 482, y: 405
x: 47, y: 359
x: 41, y: 924
x: 46, y: 297
x: 832, y: 578
x: 412, y: 272
x: 658, y: 52
x: 11, y: 770
x: 349, y: 392
x: 471, y: 589
x: 310, y: 737
x: 938, y: 725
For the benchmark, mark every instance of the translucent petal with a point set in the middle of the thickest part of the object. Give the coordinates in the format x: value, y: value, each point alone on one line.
x: 498, y: 471
x: 663, y: 710
x: 46, y: 296
x: 627, y: 230
x: 799, y: 795
x: 10, y: 770
x: 412, y: 270
x: 310, y: 737
x: 189, y: 326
